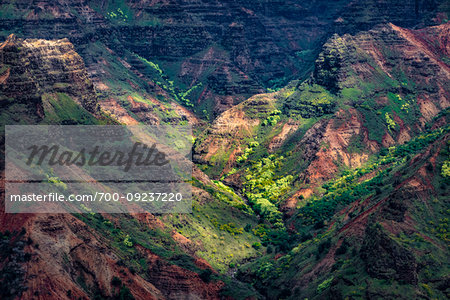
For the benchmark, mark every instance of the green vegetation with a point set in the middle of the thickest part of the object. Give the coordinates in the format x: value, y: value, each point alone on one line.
x: 320, y: 216
x: 264, y: 190
x: 169, y: 86
x: 324, y: 285
x: 356, y: 144
x: 12, y: 256
x: 249, y: 150
x: 359, y: 233
x: 116, y: 11
x: 219, y: 227
x: 117, y: 15
x: 273, y: 118
x: 391, y: 125
x: 309, y: 101
x: 446, y: 169
x: 123, y: 292
x: 61, y: 109
x: 347, y: 188
x: 126, y: 84
x: 125, y: 233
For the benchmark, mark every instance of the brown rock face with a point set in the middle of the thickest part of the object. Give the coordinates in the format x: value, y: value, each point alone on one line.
x: 256, y: 44
x: 376, y: 56
x: 336, y: 138
x: 32, y: 68
x: 60, y: 256
x: 278, y: 140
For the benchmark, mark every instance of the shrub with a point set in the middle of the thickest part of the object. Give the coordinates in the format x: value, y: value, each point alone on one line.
x: 445, y: 171
x: 256, y: 245
x: 205, y: 275
x: 116, y: 281
x: 343, y: 248
x: 325, y: 245
x: 325, y: 284
x: 125, y: 294
x: 127, y: 241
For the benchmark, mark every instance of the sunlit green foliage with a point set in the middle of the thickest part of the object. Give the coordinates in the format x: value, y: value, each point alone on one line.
x: 325, y: 284
x: 118, y: 14
x: 264, y: 190
x: 62, y: 109
x: 249, y: 150
x: 127, y: 242
x: 446, y: 169
x: 168, y: 85
x: 309, y: 101
x: 390, y: 123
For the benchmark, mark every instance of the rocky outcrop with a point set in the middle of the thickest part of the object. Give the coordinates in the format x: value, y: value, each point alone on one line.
x: 390, y: 53
x: 288, y: 128
x: 390, y: 60
x: 262, y: 43
x: 177, y: 283
x: 387, y: 61
x: 364, y: 14
x: 32, y: 68
x: 335, y: 144
x: 67, y: 259
x: 327, y: 146
x: 391, y: 64
x: 225, y: 138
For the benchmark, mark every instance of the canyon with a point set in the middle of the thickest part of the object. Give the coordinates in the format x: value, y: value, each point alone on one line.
x: 320, y: 146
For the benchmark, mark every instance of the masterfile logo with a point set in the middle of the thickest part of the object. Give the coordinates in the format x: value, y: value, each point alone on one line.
x: 54, y: 155
x: 98, y: 168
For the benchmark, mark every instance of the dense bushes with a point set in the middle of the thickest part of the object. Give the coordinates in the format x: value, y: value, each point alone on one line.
x: 228, y: 227
x: 347, y: 188
x: 264, y: 190
x: 272, y: 119
x: 309, y: 101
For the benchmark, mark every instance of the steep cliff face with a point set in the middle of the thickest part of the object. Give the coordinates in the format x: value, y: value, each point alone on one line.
x: 396, y: 80
x: 64, y: 256
x: 382, y: 245
x: 364, y: 14
x: 388, y: 82
x: 38, y: 74
x: 237, y: 48
x: 304, y: 158
x: 49, y: 19
x: 66, y: 259
x: 387, y: 53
